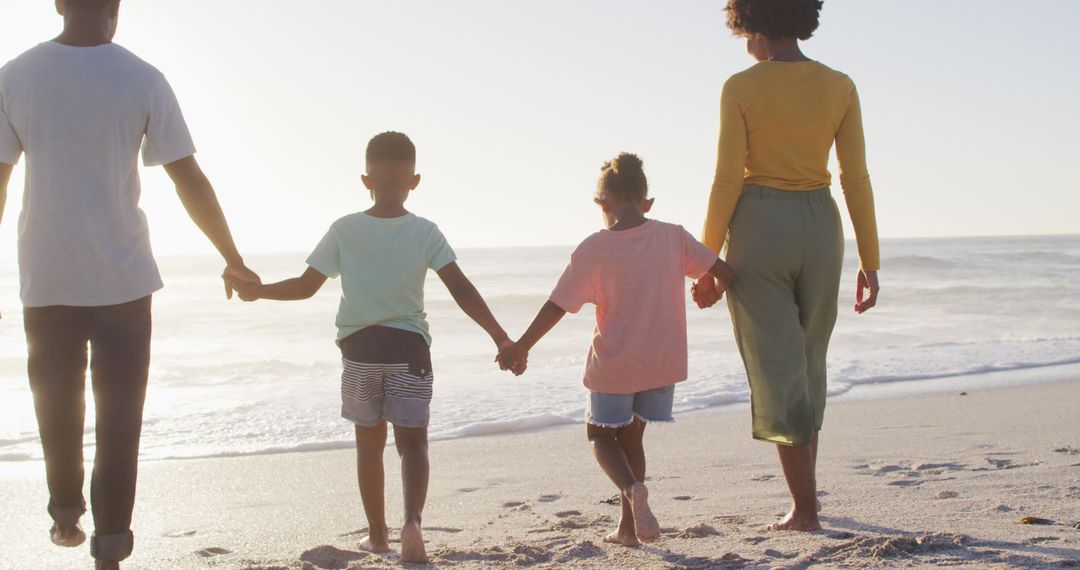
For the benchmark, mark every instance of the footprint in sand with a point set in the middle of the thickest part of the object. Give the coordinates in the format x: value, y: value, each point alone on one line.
x: 947, y: 495
x: 327, y: 556
x: 212, y: 551
x: 468, y: 489
x: 996, y: 464
x: 179, y: 534
x: 698, y: 531
x: 564, y: 514
x: 682, y: 498
x: 549, y: 498
x: 581, y: 551
x: 761, y: 478
x: 615, y: 499
x: 773, y: 553
x: 354, y: 532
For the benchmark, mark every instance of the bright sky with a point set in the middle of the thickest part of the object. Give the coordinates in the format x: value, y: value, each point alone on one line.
x: 970, y: 109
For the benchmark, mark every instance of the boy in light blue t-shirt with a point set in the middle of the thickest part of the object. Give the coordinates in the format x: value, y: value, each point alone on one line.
x: 382, y: 256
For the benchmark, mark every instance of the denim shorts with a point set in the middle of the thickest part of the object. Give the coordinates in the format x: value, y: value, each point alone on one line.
x: 619, y: 410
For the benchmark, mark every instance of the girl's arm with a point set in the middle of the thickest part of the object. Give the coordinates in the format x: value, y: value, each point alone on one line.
x: 549, y: 316
x: 470, y: 301
x: 295, y: 289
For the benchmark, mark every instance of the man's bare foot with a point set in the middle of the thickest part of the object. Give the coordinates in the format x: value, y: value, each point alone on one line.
x: 645, y: 523
x: 375, y: 545
x: 67, y: 536
x: 791, y: 521
x: 623, y: 538
x: 412, y: 544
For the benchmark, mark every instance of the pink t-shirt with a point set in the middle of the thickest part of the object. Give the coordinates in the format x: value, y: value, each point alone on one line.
x: 637, y: 280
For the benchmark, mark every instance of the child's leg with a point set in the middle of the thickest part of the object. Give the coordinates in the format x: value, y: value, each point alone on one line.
x: 630, y: 440
x: 370, y: 445
x: 610, y: 447
x: 412, y: 446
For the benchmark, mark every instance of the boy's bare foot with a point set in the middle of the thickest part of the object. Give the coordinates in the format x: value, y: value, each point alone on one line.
x: 623, y: 538
x: 67, y: 536
x: 376, y: 545
x: 412, y: 544
x: 791, y: 521
x: 645, y: 523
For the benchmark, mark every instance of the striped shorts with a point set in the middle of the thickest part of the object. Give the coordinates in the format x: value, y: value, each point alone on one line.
x: 386, y: 376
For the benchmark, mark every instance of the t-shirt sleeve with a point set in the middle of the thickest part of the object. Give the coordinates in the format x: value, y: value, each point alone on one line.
x: 439, y: 252
x: 326, y: 258
x: 697, y: 259
x: 575, y: 286
x: 167, y: 137
x: 10, y: 145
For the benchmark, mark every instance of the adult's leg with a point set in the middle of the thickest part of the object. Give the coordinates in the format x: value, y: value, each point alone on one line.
x: 816, y: 293
x: 56, y: 338
x: 370, y: 446
x: 412, y: 447
x: 119, y: 365
x: 765, y: 249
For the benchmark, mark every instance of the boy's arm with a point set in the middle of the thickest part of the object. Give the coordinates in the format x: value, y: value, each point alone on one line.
x: 295, y: 289
x: 549, y: 316
x: 202, y: 205
x: 470, y: 301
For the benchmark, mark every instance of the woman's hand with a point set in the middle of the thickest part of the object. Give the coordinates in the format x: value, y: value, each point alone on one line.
x: 704, y: 293
x: 866, y: 283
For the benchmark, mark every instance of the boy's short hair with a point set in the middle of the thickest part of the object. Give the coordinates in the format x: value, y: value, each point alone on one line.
x: 390, y: 146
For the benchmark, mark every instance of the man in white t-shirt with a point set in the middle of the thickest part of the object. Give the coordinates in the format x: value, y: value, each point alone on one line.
x: 80, y: 108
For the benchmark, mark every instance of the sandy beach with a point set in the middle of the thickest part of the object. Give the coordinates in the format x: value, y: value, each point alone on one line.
x: 944, y: 479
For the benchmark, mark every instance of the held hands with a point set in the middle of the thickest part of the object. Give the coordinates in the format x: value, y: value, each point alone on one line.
x: 866, y: 284
x: 238, y: 274
x: 512, y: 357
x: 706, y: 292
x: 246, y: 290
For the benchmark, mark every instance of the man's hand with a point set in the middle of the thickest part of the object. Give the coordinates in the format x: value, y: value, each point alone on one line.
x: 235, y: 275
x: 866, y: 291
x: 512, y: 357
x: 704, y: 293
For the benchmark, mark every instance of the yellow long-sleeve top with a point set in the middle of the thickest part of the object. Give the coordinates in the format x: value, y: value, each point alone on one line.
x: 778, y: 121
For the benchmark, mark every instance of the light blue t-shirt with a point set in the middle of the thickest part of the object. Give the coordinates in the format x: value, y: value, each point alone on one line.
x: 382, y: 263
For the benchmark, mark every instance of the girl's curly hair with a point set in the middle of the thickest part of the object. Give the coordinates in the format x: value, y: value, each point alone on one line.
x: 773, y: 18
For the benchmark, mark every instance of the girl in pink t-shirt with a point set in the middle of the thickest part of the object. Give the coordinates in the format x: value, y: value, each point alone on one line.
x: 635, y: 273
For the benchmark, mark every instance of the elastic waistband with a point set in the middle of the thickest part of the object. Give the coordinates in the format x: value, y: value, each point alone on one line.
x: 760, y: 191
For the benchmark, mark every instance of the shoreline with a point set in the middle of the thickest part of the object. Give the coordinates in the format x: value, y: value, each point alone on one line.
x: 922, y: 480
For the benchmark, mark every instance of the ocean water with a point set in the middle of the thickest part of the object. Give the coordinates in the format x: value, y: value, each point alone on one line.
x: 230, y: 378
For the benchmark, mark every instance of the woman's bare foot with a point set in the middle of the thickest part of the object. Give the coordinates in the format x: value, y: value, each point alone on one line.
x: 375, y: 544
x: 412, y: 544
x: 645, y: 525
x: 622, y: 537
x: 67, y: 536
x: 797, y: 522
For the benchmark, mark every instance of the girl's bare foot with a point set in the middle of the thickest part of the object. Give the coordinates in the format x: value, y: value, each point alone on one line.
x: 797, y: 522
x: 67, y: 536
x: 645, y: 524
x: 374, y: 544
x: 622, y: 537
x: 412, y: 544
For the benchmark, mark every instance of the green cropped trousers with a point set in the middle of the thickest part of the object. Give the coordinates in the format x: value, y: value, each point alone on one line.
x: 787, y: 250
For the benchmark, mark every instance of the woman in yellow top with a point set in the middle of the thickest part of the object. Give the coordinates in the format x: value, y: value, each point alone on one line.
x: 771, y: 204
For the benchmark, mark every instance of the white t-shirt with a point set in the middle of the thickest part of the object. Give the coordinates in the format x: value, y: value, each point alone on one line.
x: 81, y: 115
